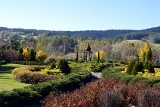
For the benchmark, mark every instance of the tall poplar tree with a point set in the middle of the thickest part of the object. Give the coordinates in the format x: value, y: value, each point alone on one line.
x: 148, y: 56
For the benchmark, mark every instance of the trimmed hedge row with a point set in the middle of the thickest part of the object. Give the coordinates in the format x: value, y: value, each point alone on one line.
x: 28, y: 63
x: 91, y: 66
x: 3, y: 62
x: 31, y: 75
x: 35, y: 77
x: 34, y: 93
x: 98, y: 67
x: 130, y: 79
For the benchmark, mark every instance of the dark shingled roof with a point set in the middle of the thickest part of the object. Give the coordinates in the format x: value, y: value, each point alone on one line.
x: 88, y: 48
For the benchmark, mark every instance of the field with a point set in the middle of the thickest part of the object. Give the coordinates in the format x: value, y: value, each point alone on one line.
x: 7, y: 82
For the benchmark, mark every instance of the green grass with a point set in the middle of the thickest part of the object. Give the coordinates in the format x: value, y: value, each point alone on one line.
x: 7, y: 81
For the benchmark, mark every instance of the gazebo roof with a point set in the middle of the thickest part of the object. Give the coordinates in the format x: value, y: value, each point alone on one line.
x: 88, y: 48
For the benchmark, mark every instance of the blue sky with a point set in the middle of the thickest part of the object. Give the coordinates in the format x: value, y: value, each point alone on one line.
x: 80, y: 14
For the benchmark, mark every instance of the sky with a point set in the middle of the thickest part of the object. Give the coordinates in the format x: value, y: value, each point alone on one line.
x: 75, y: 15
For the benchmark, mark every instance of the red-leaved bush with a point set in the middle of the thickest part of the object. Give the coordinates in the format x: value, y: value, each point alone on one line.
x: 34, y: 77
x: 94, y: 94
x: 143, y: 96
x: 106, y: 93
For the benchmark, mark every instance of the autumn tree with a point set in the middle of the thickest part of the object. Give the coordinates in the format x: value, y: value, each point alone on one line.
x: 41, y: 55
x: 26, y: 54
x: 145, y: 52
x: 101, y: 55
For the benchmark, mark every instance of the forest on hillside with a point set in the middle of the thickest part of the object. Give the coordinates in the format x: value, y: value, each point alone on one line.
x: 152, y: 34
x: 116, y: 44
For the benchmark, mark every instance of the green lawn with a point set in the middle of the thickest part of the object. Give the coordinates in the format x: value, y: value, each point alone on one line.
x: 7, y: 81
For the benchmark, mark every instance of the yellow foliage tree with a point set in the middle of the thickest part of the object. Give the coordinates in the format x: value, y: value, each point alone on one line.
x: 144, y: 49
x: 101, y: 54
x: 40, y: 55
x: 26, y: 53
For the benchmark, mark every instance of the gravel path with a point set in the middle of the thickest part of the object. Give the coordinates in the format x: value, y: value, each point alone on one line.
x: 96, y: 75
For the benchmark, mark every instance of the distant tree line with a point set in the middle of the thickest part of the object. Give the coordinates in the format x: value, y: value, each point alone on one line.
x: 152, y: 34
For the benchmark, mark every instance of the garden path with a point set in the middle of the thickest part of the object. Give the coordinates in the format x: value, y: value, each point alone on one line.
x: 96, y: 75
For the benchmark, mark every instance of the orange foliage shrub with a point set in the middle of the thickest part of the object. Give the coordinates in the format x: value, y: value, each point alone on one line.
x: 101, y: 54
x: 41, y: 56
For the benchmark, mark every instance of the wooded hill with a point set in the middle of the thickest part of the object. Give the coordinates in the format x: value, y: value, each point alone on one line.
x: 152, y: 34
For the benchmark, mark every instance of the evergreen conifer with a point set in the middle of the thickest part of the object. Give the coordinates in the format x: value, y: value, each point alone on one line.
x: 135, y: 69
x: 148, y: 56
x: 63, y: 65
x: 130, y: 67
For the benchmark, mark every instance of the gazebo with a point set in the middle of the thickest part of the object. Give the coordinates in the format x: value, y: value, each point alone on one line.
x: 88, y: 53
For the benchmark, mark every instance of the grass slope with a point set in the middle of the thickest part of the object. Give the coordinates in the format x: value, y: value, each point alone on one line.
x: 7, y: 81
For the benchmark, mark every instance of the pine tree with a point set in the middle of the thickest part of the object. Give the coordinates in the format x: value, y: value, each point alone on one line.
x: 143, y: 58
x: 63, y: 65
x: 140, y: 67
x: 149, y: 66
x: 130, y: 67
x: 32, y: 54
x: 135, y: 69
x: 148, y: 55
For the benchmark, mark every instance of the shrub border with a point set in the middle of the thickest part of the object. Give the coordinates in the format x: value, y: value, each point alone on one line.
x: 131, y: 79
x: 34, y: 93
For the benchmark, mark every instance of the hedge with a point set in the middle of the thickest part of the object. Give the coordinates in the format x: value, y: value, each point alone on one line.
x: 3, y: 62
x: 28, y: 63
x: 31, y: 75
x: 34, y: 93
x: 130, y: 79
x: 98, y: 67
